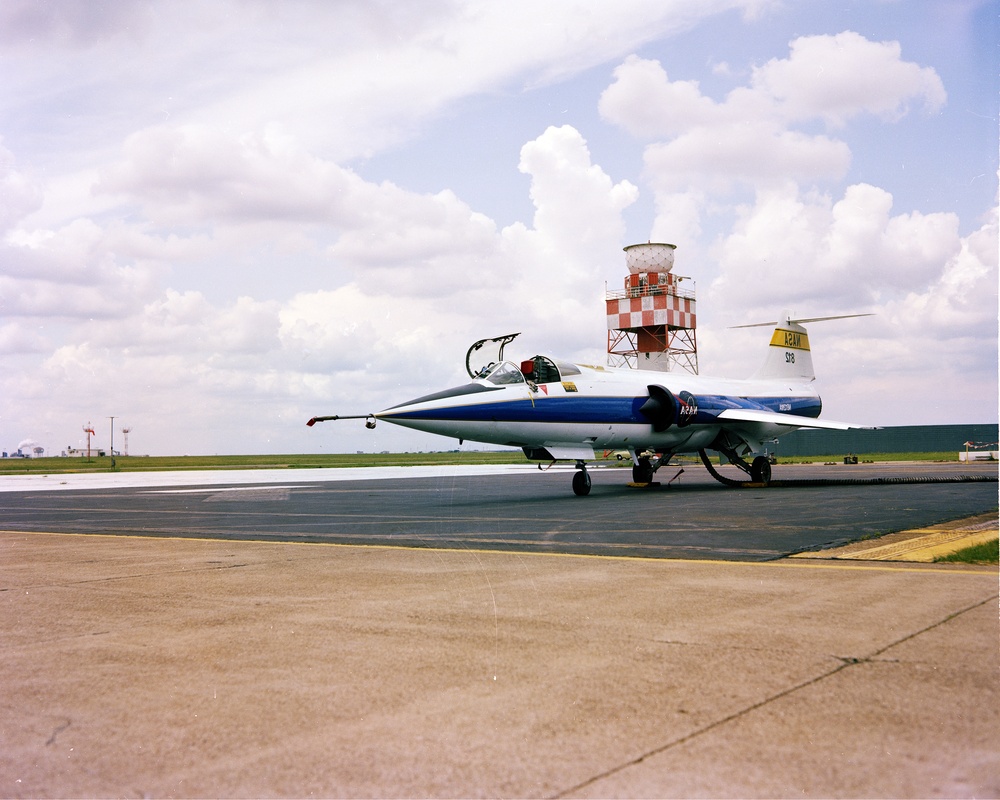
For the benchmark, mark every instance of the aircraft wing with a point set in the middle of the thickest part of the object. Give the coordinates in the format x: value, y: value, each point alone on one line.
x: 791, y: 420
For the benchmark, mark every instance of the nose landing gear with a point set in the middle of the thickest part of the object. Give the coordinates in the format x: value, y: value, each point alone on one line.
x: 581, y: 480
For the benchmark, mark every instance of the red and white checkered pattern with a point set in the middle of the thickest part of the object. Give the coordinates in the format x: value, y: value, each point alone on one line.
x: 651, y: 309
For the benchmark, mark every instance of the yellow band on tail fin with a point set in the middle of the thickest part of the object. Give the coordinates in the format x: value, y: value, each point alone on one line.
x: 797, y: 340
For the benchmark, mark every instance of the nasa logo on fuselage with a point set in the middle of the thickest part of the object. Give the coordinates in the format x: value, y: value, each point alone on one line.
x: 687, y: 409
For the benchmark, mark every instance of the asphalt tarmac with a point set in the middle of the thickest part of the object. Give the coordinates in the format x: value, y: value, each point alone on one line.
x: 489, y: 636
x: 517, y: 508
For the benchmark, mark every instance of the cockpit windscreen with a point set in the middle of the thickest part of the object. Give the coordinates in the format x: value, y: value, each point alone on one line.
x: 505, y: 373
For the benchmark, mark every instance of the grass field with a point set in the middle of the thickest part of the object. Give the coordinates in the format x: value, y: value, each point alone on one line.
x: 55, y: 465
x: 985, y: 553
x: 15, y: 466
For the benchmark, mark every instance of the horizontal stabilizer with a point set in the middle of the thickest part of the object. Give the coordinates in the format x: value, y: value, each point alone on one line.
x: 791, y: 420
x: 788, y: 320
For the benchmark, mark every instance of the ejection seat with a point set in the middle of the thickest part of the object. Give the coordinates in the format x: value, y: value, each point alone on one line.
x: 541, y: 370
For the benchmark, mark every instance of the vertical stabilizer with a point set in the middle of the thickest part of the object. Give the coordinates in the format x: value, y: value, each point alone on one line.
x: 788, y: 354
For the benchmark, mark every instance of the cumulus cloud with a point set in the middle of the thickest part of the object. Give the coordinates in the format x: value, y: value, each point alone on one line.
x: 459, y: 267
x: 422, y: 276
x: 189, y: 174
x: 573, y: 198
x: 747, y: 138
x: 756, y: 154
x: 852, y: 251
x: 933, y: 291
x: 834, y: 78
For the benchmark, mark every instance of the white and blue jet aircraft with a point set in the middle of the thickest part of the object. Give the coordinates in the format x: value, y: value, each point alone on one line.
x: 558, y: 411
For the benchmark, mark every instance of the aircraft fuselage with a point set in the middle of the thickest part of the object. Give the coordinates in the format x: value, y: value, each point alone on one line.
x: 602, y: 408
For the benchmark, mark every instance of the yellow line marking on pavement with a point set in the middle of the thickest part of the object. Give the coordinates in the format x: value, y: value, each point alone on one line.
x: 805, y: 563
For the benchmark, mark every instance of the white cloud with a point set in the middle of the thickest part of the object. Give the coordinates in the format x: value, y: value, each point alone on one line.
x: 829, y: 78
x: 838, y: 77
x: 414, y: 301
x: 347, y: 79
x: 576, y: 203
x: 934, y: 293
x: 852, y: 253
x: 193, y: 174
x: 753, y: 154
x: 746, y: 139
x: 960, y: 299
x: 18, y: 338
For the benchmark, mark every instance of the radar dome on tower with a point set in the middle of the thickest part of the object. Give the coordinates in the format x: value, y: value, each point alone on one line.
x: 650, y: 257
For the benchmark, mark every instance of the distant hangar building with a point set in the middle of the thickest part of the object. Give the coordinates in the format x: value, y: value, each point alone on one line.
x: 897, y: 439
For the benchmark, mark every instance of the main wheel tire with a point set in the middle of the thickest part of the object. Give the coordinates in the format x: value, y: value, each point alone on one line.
x: 642, y: 472
x: 581, y: 483
x: 760, y: 470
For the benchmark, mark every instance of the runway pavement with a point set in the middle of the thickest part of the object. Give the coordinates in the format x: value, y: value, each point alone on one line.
x: 507, y: 508
x: 280, y: 662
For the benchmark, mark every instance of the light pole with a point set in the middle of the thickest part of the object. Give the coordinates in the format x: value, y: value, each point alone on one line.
x: 112, y: 442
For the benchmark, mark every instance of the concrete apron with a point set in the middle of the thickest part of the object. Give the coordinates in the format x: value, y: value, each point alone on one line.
x: 170, y: 667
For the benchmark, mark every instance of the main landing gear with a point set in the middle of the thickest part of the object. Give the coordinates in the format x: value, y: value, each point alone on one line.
x: 759, y: 469
x: 644, y: 467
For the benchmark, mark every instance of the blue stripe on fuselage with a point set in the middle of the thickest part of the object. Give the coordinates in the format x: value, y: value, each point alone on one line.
x: 600, y: 410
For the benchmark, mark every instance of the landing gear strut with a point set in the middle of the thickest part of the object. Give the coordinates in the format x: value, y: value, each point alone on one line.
x: 581, y: 480
x: 759, y: 469
x: 644, y: 469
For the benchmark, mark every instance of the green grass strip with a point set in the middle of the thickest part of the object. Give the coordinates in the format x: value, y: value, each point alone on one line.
x: 984, y: 553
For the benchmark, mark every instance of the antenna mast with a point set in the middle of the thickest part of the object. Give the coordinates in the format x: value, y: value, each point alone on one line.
x: 89, y: 430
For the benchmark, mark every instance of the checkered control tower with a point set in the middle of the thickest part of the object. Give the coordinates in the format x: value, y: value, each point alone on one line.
x: 651, y: 324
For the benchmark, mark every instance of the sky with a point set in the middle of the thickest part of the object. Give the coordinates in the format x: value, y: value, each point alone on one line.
x: 218, y: 220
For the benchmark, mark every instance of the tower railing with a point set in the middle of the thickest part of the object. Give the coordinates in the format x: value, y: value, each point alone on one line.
x: 650, y: 290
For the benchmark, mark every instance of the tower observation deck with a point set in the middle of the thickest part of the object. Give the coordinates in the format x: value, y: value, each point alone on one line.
x: 651, y: 324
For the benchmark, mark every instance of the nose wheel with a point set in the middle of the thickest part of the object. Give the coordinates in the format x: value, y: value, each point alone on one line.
x: 581, y: 480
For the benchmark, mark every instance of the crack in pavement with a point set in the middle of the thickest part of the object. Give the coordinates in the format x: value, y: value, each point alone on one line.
x: 845, y: 663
